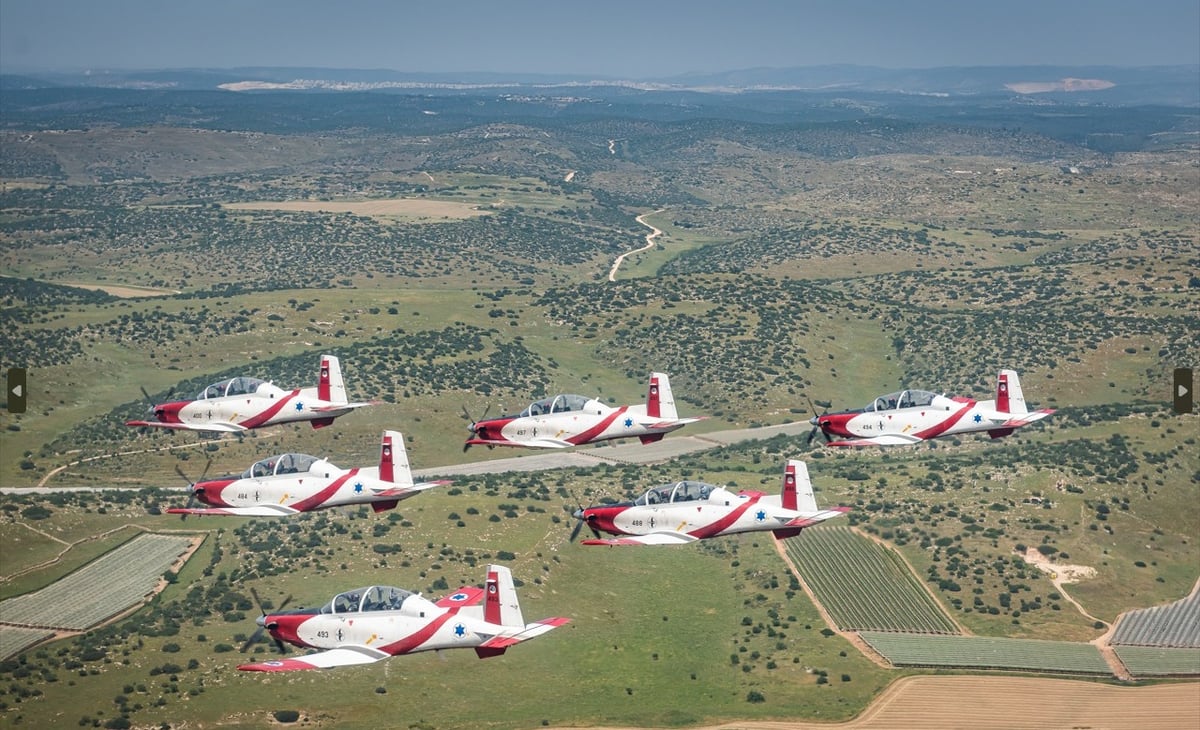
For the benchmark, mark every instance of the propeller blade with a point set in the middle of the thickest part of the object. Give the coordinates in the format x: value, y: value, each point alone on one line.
x: 575, y: 530
x: 192, y: 492
x: 262, y: 622
x: 253, y: 638
x: 816, y: 422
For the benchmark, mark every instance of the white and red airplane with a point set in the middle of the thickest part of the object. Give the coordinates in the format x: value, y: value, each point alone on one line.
x: 289, y: 484
x: 563, y: 421
x: 913, y: 416
x: 242, y: 403
x: 687, y: 511
x: 377, y: 622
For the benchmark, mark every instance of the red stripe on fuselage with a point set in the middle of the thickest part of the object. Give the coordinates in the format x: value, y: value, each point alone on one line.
x: 414, y: 640
x: 318, y: 500
x: 722, y: 524
x: 947, y: 424
x: 267, y: 415
x: 599, y: 428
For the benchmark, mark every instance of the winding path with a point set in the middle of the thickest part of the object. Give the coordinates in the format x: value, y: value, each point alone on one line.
x: 654, y: 233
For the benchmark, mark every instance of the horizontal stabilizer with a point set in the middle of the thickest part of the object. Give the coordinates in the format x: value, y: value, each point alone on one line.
x: 261, y: 510
x: 670, y: 425
x: 825, y: 514
x: 1027, y: 418
x: 402, y: 492
x: 535, y: 629
x: 343, y: 407
x: 340, y: 657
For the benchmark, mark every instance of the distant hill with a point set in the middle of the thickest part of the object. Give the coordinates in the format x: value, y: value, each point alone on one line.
x: 1168, y: 85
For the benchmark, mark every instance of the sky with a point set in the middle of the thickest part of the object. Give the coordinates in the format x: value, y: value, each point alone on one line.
x: 628, y: 39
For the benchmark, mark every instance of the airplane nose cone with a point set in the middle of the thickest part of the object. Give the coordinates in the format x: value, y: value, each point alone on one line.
x: 813, y: 421
x: 169, y: 412
x: 261, y: 620
x: 578, y: 514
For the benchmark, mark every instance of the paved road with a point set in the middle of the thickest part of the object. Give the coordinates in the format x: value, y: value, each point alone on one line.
x: 619, y: 452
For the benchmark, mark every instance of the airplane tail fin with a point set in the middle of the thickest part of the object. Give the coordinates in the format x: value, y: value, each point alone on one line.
x: 1009, y: 398
x: 500, y: 599
x: 660, y: 402
x: 798, y: 495
x: 797, y: 488
x: 330, y: 387
x: 393, y: 460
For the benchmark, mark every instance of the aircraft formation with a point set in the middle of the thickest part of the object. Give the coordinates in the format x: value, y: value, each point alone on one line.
x: 368, y: 624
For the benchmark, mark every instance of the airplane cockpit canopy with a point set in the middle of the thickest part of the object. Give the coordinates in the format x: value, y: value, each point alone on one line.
x: 685, y: 491
x: 282, y: 464
x: 901, y: 399
x: 556, y: 404
x: 233, y: 386
x: 371, y: 598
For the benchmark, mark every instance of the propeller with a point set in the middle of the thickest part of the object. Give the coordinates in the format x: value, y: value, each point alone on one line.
x: 192, y: 485
x: 150, y: 404
x: 262, y: 624
x: 578, y: 514
x: 816, y: 423
x: 472, y: 422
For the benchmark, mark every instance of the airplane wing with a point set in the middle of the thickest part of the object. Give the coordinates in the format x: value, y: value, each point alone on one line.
x: 210, y: 426
x: 891, y: 439
x: 654, y: 538
x: 402, y: 492
x: 534, y: 444
x: 537, y: 628
x: 825, y: 514
x: 261, y: 510
x: 340, y: 657
x: 465, y: 596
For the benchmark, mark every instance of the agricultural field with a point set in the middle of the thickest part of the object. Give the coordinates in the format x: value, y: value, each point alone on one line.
x: 458, y: 264
x: 978, y: 652
x: 1174, y: 625
x: 101, y: 589
x: 1148, y: 661
x: 865, y: 586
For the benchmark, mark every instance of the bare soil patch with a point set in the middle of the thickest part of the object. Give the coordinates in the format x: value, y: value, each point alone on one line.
x: 120, y: 290
x: 1009, y: 703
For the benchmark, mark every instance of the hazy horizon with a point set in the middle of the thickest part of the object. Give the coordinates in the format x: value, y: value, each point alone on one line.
x: 621, y: 39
